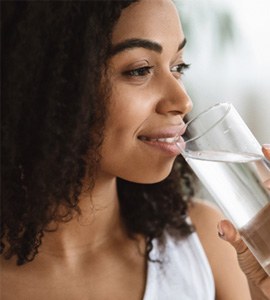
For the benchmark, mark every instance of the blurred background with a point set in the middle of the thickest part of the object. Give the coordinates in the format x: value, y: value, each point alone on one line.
x: 229, y: 51
x: 228, y: 47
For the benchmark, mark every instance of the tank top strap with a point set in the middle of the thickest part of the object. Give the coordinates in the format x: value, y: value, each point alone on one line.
x: 183, y: 274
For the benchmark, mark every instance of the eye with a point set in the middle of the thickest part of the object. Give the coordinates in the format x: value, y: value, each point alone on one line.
x: 180, y: 68
x: 143, y: 71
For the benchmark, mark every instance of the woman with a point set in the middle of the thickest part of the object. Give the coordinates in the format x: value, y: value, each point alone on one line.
x: 96, y: 203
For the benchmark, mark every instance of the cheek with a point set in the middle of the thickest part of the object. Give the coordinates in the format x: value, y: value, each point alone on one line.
x: 121, y: 124
x: 129, y: 109
x: 122, y: 153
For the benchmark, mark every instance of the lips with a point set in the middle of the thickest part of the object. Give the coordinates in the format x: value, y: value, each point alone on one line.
x: 166, y: 135
x: 168, y: 140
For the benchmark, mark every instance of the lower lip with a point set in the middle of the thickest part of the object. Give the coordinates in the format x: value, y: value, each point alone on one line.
x: 170, y: 149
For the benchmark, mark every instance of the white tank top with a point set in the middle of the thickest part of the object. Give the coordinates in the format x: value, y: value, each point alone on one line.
x: 184, y: 273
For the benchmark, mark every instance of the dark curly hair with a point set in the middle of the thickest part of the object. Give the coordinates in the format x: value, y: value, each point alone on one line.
x: 53, y: 115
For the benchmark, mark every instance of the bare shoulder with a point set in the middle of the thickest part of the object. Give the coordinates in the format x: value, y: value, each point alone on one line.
x: 204, y: 211
x: 230, y: 281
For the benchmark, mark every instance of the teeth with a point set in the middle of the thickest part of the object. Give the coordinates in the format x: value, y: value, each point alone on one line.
x: 167, y: 140
x: 162, y: 140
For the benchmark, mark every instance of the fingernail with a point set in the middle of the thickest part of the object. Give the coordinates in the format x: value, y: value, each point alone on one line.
x: 220, y: 230
x: 266, y: 146
x: 266, y: 150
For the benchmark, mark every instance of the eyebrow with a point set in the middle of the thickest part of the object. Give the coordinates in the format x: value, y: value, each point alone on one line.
x: 141, y: 43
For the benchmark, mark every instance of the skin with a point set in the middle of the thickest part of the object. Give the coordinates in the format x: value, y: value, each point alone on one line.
x: 92, y: 257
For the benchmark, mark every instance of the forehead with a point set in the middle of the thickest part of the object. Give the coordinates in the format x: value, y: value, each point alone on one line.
x: 149, y: 19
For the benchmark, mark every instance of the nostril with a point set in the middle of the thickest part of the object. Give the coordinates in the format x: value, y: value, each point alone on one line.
x: 175, y: 112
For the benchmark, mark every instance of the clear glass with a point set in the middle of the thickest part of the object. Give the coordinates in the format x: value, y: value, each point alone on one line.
x: 228, y: 160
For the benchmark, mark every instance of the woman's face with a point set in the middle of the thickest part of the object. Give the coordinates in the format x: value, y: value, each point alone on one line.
x: 148, y: 100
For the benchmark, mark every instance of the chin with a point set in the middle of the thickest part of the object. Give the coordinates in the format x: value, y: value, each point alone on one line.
x: 146, y: 174
x: 146, y: 177
x: 152, y: 181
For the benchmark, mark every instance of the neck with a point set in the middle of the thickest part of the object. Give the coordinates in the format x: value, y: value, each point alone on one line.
x: 98, y: 224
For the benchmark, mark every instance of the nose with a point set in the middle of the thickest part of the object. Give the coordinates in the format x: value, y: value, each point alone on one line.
x: 174, y: 99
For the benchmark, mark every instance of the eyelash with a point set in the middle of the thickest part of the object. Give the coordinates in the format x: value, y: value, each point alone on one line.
x: 144, y: 71
x: 180, y: 68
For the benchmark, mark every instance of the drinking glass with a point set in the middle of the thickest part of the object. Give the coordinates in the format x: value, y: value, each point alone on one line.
x: 229, y: 162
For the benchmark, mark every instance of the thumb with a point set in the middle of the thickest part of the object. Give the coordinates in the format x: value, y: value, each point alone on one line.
x: 247, y: 261
x: 228, y: 233
x: 266, y: 150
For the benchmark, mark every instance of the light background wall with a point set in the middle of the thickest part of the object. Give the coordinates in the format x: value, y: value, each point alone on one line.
x: 229, y: 51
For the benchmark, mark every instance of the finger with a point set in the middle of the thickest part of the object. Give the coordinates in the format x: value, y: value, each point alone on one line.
x: 228, y: 233
x: 267, y: 184
x: 247, y: 261
x: 266, y: 150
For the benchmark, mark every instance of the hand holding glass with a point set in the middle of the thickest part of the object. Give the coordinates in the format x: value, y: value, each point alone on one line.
x: 228, y: 160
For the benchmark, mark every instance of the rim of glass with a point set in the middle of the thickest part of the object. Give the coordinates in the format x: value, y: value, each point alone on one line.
x: 228, y: 107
